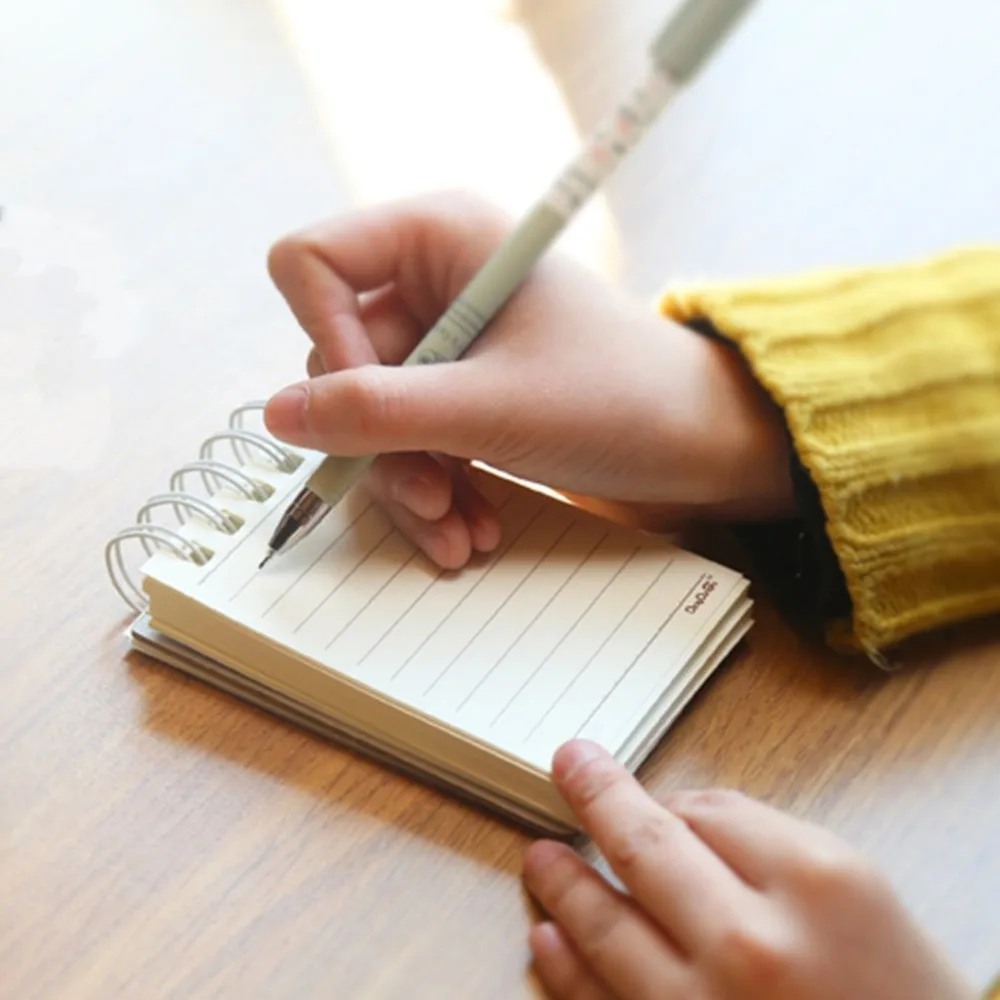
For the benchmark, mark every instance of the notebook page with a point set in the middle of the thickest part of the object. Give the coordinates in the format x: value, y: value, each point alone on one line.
x: 571, y: 628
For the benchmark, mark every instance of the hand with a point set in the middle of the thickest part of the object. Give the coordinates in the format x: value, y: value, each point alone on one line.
x: 727, y: 900
x: 572, y: 385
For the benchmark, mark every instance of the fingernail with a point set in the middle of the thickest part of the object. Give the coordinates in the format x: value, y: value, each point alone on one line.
x: 573, y: 755
x: 285, y: 414
x: 486, y: 534
x: 544, y: 938
x: 540, y: 855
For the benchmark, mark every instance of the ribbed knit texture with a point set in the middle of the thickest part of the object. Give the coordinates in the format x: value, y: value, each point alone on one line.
x: 889, y: 379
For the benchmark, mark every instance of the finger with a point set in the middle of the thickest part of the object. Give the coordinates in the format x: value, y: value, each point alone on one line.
x: 480, y: 515
x: 429, y: 487
x: 763, y: 845
x: 445, y: 542
x: 325, y: 305
x: 681, y: 883
x: 427, y: 247
x: 380, y: 408
x: 560, y: 969
x: 608, y: 931
x: 391, y: 325
x: 392, y: 329
x: 314, y: 364
x: 414, y: 480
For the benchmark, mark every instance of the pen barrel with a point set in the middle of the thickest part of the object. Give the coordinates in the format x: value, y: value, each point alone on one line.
x: 336, y: 475
x: 490, y: 289
x: 511, y: 264
x: 695, y: 31
x: 677, y: 53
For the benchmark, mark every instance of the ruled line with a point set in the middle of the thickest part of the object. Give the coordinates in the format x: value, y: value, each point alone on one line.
x: 368, y: 603
x: 416, y: 600
x: 340, y: 583
x: 649, y: 642
x: 727, y: 602
x: 562, y: 534
x: 538, y: 614
x: 322, y: 555
x: 548, y: 656
x: 253, y: 576
x: 593, y: 656
x: 467, y: 594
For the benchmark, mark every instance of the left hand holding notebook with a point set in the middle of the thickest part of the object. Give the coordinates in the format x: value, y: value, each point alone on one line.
x: 573, y: 385
x: 727, y: 899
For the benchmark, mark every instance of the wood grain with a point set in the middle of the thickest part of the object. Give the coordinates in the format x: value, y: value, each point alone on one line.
x: 161, y: 840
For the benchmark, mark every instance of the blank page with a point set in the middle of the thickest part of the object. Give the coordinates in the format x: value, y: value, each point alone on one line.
x: 571, y: 628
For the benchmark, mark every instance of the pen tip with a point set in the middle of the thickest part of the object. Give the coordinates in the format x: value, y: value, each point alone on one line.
x: 265, y: 560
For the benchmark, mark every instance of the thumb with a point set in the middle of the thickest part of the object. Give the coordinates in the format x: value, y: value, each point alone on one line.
x: 376, y: 409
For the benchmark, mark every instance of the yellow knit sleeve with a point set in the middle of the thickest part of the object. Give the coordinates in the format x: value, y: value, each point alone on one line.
x: 889, y: 380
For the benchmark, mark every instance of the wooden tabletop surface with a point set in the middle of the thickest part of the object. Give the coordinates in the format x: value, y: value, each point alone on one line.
x: 160, y: 840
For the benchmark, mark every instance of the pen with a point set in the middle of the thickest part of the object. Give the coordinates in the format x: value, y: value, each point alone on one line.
x: 677, y: 53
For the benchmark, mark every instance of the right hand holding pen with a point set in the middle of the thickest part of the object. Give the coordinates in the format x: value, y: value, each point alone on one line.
x: 573, y: 384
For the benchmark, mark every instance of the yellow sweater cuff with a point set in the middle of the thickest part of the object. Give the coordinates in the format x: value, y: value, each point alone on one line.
x: 889, y: 379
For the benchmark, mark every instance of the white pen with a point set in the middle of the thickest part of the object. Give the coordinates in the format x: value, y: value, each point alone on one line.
x: 677, y: 54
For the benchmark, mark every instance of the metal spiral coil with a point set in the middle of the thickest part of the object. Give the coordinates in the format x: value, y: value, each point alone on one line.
x: 184, y: 504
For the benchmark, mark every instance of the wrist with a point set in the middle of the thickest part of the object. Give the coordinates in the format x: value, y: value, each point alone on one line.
x: 742, y: 439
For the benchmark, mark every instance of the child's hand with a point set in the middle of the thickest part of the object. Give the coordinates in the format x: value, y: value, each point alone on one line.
x: 572, y: 385
x: 727, y: 900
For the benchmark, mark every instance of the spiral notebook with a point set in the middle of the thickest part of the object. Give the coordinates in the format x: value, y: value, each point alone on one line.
x: 470, y: 680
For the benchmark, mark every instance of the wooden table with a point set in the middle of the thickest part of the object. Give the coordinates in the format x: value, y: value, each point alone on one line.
x: 161, y: 840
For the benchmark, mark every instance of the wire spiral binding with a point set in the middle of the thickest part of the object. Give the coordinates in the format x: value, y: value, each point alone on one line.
x: 214, y: 474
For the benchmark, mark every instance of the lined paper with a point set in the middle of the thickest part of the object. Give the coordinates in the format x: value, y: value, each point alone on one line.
x: 573, y: 627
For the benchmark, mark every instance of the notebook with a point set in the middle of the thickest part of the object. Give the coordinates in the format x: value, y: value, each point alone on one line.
x: 576, y: 626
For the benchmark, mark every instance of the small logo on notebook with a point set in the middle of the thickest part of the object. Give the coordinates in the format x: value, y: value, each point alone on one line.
x: 701, y: 595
